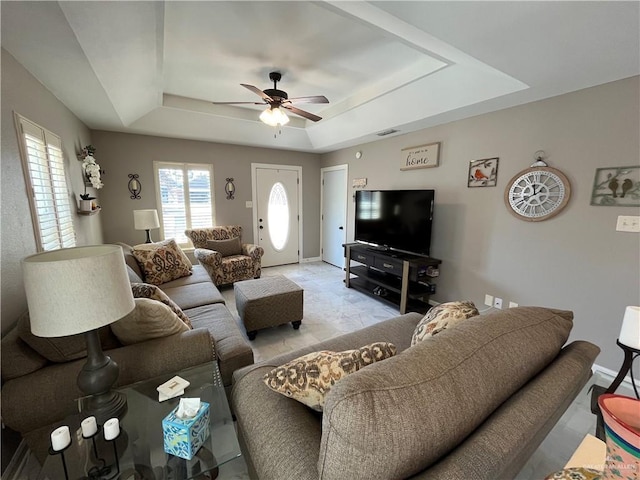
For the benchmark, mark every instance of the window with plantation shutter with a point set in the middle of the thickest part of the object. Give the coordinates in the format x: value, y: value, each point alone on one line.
x: 185, y: 196
x: 51, y: 205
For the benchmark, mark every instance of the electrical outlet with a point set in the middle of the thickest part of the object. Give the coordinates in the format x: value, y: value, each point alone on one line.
x: 488, y: 300
x: 628, y: 223
x: 513, y: 304
x: 497, y: 303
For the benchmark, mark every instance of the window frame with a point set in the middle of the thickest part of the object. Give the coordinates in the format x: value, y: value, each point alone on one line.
x: 63, y: 206
x: 185, y: 167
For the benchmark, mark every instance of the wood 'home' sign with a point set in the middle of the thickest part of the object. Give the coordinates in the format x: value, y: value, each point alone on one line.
x: 422, y: 156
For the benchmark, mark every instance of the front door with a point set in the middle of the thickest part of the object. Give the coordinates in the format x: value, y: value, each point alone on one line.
x: 334, y: 214
x: 277, y: 213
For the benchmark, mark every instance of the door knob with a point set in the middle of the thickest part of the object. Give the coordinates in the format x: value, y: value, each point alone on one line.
x: 340, y: 228
x: 261, y: 227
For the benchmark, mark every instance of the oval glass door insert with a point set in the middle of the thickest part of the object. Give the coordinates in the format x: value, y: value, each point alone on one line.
x: 278, y: 216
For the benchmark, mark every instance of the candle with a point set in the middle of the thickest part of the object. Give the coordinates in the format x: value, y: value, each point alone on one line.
x: 134, y: 185
x: 60, y: 438
x: 89, y: 427
x: 111, y: 429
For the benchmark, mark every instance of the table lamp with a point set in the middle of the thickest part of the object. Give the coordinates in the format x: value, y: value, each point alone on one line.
x: 146, y: 220
x: 78, y: 290
x: 629, y: 342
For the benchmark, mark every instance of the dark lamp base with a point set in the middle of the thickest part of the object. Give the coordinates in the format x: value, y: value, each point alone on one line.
x: 108, y: 405
x: 96, y: 378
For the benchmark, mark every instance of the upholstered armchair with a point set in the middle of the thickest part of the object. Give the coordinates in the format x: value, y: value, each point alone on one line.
x: 221, y: 252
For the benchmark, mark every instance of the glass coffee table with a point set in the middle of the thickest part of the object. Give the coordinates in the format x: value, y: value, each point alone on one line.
x: 139, y: 452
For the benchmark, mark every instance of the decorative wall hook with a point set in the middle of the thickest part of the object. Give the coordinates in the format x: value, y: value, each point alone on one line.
x: 134, y: 186
x: 230, y: 188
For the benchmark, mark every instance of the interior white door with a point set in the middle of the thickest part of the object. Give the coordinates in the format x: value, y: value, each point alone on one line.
x: 334, y: 214
x: 277, y: 215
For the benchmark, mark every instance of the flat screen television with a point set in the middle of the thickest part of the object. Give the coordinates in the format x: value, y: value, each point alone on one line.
x: 395, y: 219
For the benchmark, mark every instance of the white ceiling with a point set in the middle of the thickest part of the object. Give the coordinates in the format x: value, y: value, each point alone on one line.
x: 156, y: 67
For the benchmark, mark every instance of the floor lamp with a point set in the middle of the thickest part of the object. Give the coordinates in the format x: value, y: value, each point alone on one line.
x: 78, y: 290
x: 146, y: 220
x: 629, y: 342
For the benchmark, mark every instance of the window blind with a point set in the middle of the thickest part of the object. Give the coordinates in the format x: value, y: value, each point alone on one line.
x: 186, y: 198
x: 49, y: 196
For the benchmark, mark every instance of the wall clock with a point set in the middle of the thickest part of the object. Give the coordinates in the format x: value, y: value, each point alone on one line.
x: 537, y: 193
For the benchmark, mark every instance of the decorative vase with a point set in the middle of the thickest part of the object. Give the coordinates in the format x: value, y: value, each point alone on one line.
x: 85, y: 205
x: 622, y: 429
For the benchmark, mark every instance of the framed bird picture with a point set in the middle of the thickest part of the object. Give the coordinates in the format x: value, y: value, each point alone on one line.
x: 616, y: 187
x: 483, y: 173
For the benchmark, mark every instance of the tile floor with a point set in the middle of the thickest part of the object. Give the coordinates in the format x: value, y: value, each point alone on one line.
x: 331, y: 309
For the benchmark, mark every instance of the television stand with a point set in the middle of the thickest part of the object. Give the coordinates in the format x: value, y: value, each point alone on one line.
x: 400, y: 279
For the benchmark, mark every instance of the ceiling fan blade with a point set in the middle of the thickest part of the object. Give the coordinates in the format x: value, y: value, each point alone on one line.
x: 258, y: 92
x: 302, y: 113
x: 311, y: 99
x: 238, y: 103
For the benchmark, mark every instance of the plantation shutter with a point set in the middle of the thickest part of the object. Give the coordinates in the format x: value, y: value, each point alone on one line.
x: 186, y: 198
x: 49, y: 195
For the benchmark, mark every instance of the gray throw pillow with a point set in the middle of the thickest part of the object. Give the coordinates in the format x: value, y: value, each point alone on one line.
x: 149, y: 319
x: 226, y: 248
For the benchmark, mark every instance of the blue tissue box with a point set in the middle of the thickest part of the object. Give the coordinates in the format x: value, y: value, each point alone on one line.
x: 183, y: 438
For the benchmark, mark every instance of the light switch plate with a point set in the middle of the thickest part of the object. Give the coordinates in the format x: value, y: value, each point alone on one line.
x: 628, y: 223
x: 248, y: 204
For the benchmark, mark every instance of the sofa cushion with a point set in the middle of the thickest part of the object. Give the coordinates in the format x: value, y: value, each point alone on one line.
x: 396, y: 418
x: 162, y: 262
x: 198, y: 275
x: 18, y: 358
x: 194, y: 295
x: 308, y: 379
x: 149, y: 319
x: 133, y: 276
x: 130, y: 260
x: 232, y: 350
x: 62, y: 349
x: 443, y: 316
x: 145, y: 290
x: 226, y: 248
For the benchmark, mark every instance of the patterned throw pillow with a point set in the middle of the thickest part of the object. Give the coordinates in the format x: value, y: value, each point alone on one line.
x: 144, y: 290
x: 226, y: 247
x: 162, y: 262
x: 442, y: 316
x: 308, y: 379
x: 149, y: 319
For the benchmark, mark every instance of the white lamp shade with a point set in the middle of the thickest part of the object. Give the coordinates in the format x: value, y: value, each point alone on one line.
x: 274, y: 117
x: 75, y: 290
x: 146, y: 219
x: 630, y: 331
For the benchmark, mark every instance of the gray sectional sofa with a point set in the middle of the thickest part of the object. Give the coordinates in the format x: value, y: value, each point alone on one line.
x: 37, y: 391
x: 473, y: 402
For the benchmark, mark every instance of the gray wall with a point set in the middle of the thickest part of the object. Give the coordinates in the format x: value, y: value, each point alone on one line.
x: 576, y: 260
x: 120, y: 154
x: 22, y: 93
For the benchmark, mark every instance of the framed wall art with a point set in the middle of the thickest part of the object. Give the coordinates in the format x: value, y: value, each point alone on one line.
x: 422, y: 156
x: 483, y: 173
x: 616, y: 187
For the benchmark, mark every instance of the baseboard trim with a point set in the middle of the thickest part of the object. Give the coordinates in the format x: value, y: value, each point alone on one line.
x: 613, y: 374
x: 311, y: 259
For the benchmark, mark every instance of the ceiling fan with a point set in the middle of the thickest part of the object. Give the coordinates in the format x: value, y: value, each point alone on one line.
x: 278, y: 98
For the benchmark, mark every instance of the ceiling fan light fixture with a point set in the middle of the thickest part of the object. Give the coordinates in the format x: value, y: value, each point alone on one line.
x: 274, y: 116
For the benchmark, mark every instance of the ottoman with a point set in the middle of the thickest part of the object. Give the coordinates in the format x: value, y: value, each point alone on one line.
x: 268, y: 302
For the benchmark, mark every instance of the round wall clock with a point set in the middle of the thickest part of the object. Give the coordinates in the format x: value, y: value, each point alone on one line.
x: 537, y: 193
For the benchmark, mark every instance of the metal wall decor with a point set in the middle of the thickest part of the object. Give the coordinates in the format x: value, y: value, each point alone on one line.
x: 483, y: 173
x: 616, y: 187
x: 230, y: 188
x: 134, y: 186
